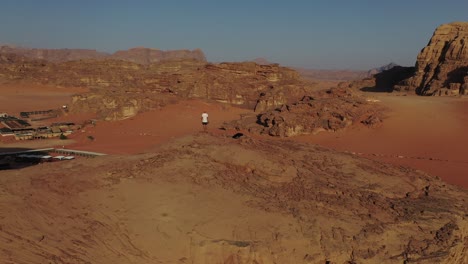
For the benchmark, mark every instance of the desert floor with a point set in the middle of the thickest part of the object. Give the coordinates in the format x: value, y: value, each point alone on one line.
x: 425, y: 133
x: 23, y: 97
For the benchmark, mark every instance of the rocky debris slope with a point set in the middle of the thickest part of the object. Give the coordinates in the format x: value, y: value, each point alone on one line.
x: 207, y: 199
x: 139, y: 55
x: 442, y: 66
x: 329, y: 110
x: 121, y: 89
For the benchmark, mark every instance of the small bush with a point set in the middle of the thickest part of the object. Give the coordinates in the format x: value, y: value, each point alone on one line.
x: 63, y: 137
x: 91, y: 138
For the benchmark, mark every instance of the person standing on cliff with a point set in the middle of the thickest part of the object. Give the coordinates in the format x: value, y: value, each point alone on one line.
x: 204, y: 120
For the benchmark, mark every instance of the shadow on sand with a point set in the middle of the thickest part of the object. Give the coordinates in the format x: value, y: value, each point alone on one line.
x: 385, y: 80
x: 18, y: 158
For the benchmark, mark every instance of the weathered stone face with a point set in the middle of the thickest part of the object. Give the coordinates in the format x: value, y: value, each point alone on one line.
x: 443, y: 64
x: 330, y: 110
x: 118, y: 82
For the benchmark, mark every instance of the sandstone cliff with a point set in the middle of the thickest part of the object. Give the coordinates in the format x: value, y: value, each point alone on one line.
x: 442, y: 66
x: 133, y: 87
x: 232, y: 83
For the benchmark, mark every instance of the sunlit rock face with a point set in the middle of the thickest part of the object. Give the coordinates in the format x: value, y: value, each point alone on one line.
x: 120, y: 88
x: 442, y: 66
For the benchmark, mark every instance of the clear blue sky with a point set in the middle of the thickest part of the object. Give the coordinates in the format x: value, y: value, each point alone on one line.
x: 321, y: 34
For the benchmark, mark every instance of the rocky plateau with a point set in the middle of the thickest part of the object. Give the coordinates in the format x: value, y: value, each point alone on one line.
x: 215, y: 199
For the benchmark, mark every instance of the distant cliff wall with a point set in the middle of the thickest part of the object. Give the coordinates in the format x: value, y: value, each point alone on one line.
x: 138, y: 55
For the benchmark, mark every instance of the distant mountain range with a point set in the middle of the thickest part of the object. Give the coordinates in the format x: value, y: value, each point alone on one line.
x: 341, y: 75
x: 382, y: 68
x: 262, y: 61
x: 332, y: 75
x: 139, y: 55
x: 142, y: 55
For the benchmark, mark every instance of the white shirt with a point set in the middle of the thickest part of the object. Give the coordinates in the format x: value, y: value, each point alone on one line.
x: 204, y: 118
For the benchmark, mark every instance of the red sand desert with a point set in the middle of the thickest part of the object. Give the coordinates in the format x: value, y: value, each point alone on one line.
x: 420, y: 132
x: 196, y: 197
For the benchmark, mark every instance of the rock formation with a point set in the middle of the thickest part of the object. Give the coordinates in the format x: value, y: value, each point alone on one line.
x: 232, y: 83
x: 138, y: 55
x: 329, y: 110
x: 54, y: 55
x: 148, y: 56
x: 442, y: 66
x: 121, y: 89
x: 133, y: 87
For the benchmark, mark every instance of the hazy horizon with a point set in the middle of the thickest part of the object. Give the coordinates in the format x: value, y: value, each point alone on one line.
x: 358, y: 35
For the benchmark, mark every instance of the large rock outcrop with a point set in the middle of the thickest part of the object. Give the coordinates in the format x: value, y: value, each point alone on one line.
x: 330, y: 110
x: 442, y: 66
x: 238, y: 84
x: 134, y: 87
